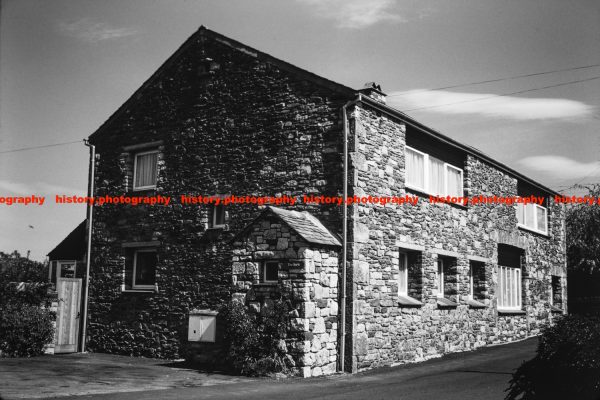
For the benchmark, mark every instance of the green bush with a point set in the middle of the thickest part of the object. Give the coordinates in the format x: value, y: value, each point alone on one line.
x: 567, y: 364
x: 24, y: 330
x: 254, y: 343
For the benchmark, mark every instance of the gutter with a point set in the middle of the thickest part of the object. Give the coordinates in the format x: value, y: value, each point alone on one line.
x: 90, y: 210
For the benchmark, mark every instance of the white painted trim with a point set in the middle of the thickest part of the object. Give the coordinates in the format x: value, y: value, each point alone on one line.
x: 59, y: 267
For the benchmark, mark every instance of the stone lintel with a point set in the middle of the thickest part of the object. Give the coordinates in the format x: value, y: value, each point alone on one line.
x: 448, y: 253
x: 153, y: 243
x: 142, y: 146
x: 479, y: 259
x: 410, y: 246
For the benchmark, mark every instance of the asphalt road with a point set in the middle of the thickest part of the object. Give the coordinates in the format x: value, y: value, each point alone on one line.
x: 478, y: 375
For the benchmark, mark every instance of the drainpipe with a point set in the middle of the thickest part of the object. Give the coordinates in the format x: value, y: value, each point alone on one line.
x: 90, y: 210
x: 344, y: 241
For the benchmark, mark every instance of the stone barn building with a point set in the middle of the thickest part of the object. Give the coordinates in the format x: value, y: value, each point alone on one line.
x: 376, y: 284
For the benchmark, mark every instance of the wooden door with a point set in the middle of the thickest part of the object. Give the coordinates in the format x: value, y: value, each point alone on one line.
x: 67, y: 318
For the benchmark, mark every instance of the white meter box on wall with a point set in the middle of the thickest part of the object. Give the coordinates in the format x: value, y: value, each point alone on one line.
x: 202, y: 326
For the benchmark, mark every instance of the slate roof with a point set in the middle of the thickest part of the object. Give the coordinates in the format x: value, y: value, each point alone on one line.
x: 72, y: 247
x: 303, y: 223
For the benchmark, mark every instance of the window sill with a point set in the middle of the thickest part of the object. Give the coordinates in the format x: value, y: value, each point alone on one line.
x: 407, y: 301
x: 531, y: 230
x: 149, y: 291
x: 421, y: 193
x: 266, y: 284
x: 475, y: 304
x: 556, y: 310
x: 511, y: 312
x: 443, y: 302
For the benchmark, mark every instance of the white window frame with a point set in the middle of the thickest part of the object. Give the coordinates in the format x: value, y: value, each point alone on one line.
x: 403, y: 271
x: 263, y: 272
x: 59, y: 268
x: 133, y: 284
x: 535, y: 227
x: 135, y: 157
x: 213, y: 217
x: 515, y: 287
x: 426, y: 164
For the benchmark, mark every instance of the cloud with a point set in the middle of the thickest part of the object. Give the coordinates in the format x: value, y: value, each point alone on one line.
x: 355, y: 13
x: 38, y: 188
x: 561, y: 167
x: 90, y: 31
x: 491, y: 105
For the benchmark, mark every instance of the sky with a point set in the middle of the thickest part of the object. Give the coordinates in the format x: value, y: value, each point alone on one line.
x: 67, y: 65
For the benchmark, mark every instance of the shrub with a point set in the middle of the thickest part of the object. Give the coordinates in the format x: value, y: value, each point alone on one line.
x: 567, y: 364
x: 254, y: 343
x: 24, y: 330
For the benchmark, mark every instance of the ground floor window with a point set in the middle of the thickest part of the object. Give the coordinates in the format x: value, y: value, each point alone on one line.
x: 509, y: 285
x: 269, y: 272
x: 556, y: 292
x: 143, y: 276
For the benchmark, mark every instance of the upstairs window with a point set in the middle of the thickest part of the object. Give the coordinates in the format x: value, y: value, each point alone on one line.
x: 431, y: 175
x: 145, y: 166
x: 533, y: 217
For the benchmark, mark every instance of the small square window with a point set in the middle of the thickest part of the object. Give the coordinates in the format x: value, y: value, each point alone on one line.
x: 218, y: 216
x: 145, y: 170
x: 269, y: 272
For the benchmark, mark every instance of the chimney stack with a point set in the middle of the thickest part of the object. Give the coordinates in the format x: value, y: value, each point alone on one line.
x: 373, y: 90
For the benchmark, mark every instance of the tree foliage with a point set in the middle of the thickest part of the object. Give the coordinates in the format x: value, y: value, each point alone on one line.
x: 567, y: 364
x: 583, y: 235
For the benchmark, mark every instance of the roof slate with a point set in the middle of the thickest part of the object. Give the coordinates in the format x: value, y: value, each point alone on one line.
x: 303, y: 223
x: 72, y: 247
x: 307, y: 226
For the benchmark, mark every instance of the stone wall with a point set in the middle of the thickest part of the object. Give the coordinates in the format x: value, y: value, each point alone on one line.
x: 383, y: 331
x: 246, y: 127
x: 308, y: 281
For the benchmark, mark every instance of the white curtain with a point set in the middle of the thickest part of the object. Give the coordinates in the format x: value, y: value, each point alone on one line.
x: 509, y: 282
x: 415, y: 169
x: 529, y: 215
x: 454, y: 182
x: 145, y: 170
x: 436, y: 176
x: 403, y: 275
x: 541, y: 218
